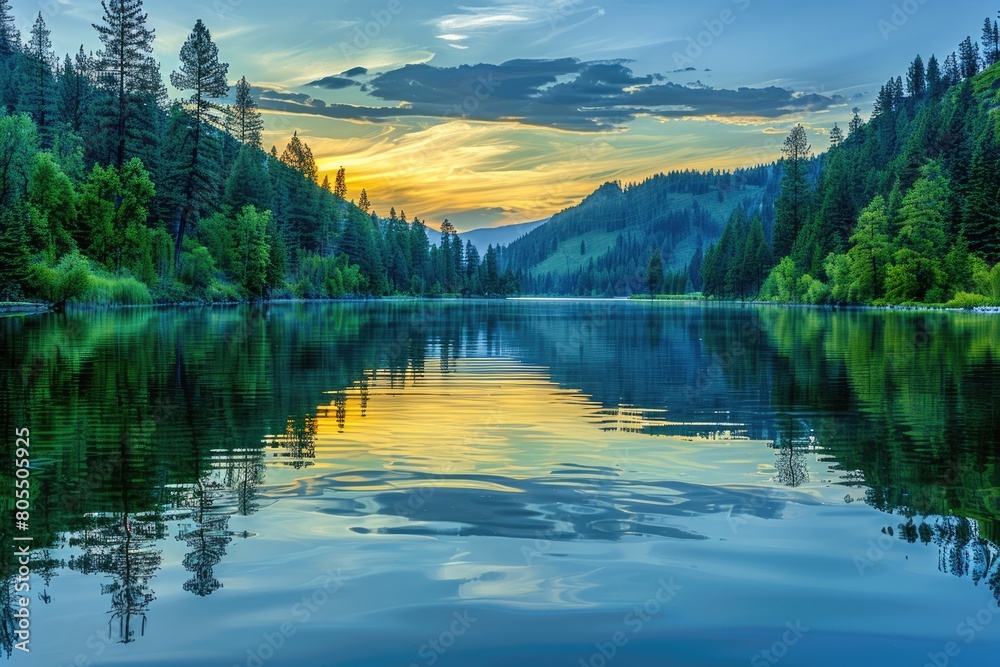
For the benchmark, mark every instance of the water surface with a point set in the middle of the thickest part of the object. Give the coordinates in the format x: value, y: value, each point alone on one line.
x: 532, y: 482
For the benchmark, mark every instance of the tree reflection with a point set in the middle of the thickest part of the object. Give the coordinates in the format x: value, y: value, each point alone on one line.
x: 297, y: 445
x: 207, y: 534
x: 122, y: 546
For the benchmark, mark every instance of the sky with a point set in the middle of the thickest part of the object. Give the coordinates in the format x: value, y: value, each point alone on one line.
x: 491, y: 112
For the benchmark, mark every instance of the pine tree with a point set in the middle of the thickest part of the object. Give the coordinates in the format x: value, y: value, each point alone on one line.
x: 299, y: 156
x: 10, y: 37
x: 39, y: 60
x: 248, y: 183
x: 991, y: 49
x: 10, y: 46
x: 856, y: 122
x: 935, y: 84
x: 125, y: 67
x: 968, y: 53
x: 793, y: 207
x: 363, y: 203
x: 836, y: 136
x: 14, y: 254
x: 326, y: 183
x: 341, y: 188
x: 952, y: 72
x: 247, y: 123
x: 654, y: 273
x: 202, y: 74
x: 981, y: 210
x: 74, y: 92
x: 916, y: 79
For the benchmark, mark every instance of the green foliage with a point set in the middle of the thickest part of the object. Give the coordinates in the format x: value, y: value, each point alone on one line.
x: 14, y: 255
x: 783, y: 283
x: 51, y: 204
x: 113, y: 204
x: 250, y: 250
x: 108, y: 290
x: 68, y: 280
x: 869, y: 256
x: 197, y: 269
x: 18, y: 145
x: 969, y: 300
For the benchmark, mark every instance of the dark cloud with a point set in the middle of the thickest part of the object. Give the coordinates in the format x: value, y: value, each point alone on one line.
x: 333, y: 83
x: 355, y: 71
x: 564, y: 94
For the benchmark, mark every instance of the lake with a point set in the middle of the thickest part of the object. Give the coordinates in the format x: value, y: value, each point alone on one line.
x: 492, y: 483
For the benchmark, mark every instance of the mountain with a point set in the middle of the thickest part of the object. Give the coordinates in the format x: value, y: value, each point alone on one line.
x: 499, y: 236
x: 601, y: 246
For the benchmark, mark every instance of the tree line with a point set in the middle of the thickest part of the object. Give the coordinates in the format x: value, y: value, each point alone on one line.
x: 110, y: 192
x: 903, y: 208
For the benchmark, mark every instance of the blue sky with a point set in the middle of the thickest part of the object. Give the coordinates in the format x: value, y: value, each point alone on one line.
x: 491, y: 111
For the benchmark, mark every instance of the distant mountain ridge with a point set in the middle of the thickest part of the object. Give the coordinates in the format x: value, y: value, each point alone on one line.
x: 601, y: 246
x: 500, y: 236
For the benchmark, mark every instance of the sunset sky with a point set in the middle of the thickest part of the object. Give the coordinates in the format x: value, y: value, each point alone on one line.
x: 496, y: 112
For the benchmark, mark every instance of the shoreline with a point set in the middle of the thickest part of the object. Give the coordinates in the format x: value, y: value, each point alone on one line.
x: 35, y: 308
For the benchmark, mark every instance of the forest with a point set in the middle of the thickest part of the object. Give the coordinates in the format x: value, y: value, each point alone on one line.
x: 901, y: 209
x: 113, y: 194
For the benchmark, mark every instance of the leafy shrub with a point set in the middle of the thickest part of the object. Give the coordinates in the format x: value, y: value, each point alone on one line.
x: 968, y: 300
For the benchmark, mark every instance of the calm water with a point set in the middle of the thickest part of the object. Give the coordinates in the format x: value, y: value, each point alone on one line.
x: 533, y: 483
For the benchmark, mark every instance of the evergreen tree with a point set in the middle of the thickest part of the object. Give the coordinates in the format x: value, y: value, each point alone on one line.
x: 126, y: 69
x: 326, y: 183
x: 793, y: 207
x: 916, y: 79
x: 952, y: 71
x: 491, y: 273
x: 363, y: 203
x: 935, y: 83
x: 991, y: 47
x: 981, y: 210
x: 916, y: 271
x: 38, y: 98
x: 10, y: 37
x: 836, y: 136
x: 757, y: 257
x: 299, y: 156
x: 968, y: 53
x: 694, y: 268
x: 203, y: 75
x: 74, y: 93
x: 654, y: 273
x: 248, y: 183
x: 14, y: 253
x: 856, y: 122
x: 340, y: 189
x: 10, y: 47
x: 246, y: 120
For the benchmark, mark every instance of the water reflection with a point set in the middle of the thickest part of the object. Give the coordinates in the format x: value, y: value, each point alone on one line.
x: 579, y: 422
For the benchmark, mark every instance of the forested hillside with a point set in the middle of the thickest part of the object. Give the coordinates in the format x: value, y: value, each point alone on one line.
x: 906, y: 207
x: 111, y: 193
x: 602, y: 246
